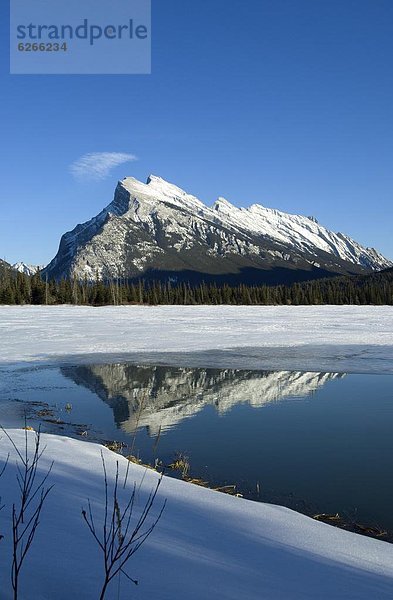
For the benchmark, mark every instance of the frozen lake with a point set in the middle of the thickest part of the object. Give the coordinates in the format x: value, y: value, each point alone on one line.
x: 355, y: 339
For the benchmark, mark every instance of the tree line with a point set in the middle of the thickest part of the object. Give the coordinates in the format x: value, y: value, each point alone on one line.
x: 18, y: 288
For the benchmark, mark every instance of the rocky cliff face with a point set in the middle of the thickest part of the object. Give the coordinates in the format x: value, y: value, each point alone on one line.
x: 158, y: 230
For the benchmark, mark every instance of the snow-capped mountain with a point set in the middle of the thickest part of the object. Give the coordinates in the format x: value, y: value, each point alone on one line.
x: 161, y: 397
x: 27, y: 269
x: 157, y: 229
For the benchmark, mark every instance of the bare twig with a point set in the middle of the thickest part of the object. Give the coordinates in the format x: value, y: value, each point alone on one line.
x: 26, y: 515
x: 120, y: 535
x: 3, y: 468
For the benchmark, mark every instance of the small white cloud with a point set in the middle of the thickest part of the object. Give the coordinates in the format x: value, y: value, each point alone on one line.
x: 98, y: 165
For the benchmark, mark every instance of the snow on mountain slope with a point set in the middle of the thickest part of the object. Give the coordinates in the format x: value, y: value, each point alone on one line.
x: 159, y: 227
x: 302, y: 233
x: 27, y: 269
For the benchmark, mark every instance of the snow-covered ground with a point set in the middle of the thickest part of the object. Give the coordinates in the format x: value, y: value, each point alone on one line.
x: 206, y: 545
x: 309, y: 338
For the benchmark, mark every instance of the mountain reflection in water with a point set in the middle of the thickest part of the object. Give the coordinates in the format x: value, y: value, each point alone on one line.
x: 158, y: 398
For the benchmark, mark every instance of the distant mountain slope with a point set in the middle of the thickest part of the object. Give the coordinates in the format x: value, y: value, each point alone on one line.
x: 3, y: 264
x: 377, y: 279
x: 384, y: 275
x: 22, y: 267
x: 156, y: 230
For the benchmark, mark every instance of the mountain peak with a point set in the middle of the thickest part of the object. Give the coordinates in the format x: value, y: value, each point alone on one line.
x: 222, y: 205
x: 26, y: 268
x: 157, y: 189
x: 156, y: 227
x: 155, y: 179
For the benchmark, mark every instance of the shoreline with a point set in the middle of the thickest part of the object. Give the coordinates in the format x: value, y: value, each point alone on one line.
x: 245, y: 545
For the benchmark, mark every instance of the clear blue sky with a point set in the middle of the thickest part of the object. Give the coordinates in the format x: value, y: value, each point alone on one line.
x: 288, y: 103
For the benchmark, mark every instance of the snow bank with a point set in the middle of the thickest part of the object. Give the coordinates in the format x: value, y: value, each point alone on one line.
x: 207, y: 545
x: 309, y: 338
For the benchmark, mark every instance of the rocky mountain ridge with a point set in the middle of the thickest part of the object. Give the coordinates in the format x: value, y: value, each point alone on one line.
x: 157, y: 230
